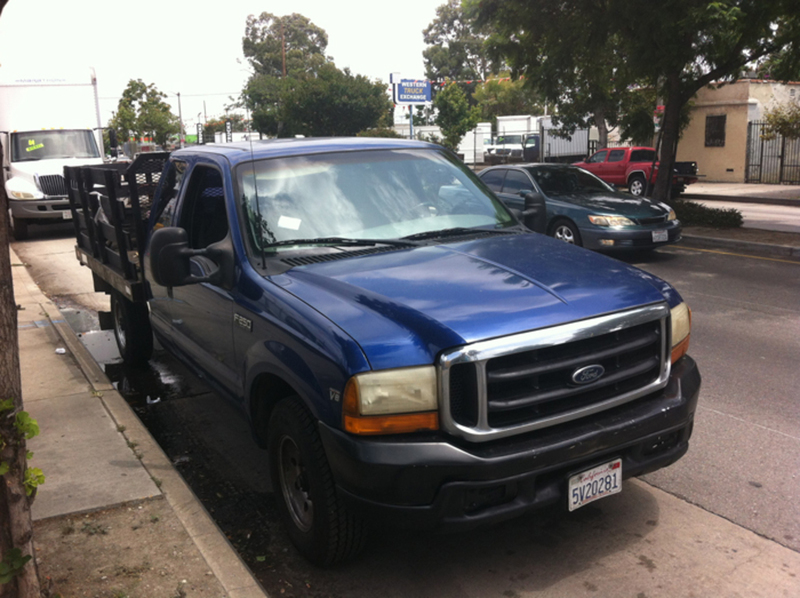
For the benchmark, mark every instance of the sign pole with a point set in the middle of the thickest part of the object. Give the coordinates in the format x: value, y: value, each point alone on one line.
x: 411, y: 121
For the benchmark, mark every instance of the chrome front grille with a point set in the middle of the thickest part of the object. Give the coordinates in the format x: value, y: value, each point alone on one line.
x: 53, y: 184
x: 524, y: 382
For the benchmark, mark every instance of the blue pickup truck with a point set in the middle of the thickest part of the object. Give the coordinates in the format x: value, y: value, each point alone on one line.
x: 406, y: 349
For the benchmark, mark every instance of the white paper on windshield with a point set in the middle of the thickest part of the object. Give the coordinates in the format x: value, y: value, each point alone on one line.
x: 289, y: 222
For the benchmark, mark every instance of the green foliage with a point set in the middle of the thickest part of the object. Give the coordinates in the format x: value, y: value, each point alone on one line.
x: 455, y: 117
x: 504, y: 96
x: 26, y: 425
x: 380, y: 132
x: 456, y: 46
x: 142, y: 112
x: 314, y: 98
x: 695, y: 214
x: 217, y: 125
x: 12, y: 564
x: 268, y: 39
x: 783, y: 120
x: 34, y: 477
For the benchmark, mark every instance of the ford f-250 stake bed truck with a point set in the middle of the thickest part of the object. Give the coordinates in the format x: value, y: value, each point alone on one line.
x: 403, y: 346
x: 632, y: 167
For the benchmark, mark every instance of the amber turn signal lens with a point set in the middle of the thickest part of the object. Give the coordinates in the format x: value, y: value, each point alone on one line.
x: 680, y: 349
x: 391, y: 424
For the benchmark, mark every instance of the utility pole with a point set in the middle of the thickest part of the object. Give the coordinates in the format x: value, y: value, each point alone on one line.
x: 283, y: 49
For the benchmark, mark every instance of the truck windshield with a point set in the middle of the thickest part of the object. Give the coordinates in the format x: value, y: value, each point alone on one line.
x: 56, y: 144
x: 376, y: 195
x: 509, y: 139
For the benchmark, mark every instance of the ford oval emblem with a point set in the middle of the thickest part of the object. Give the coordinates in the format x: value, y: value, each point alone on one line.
x: 588, y: 374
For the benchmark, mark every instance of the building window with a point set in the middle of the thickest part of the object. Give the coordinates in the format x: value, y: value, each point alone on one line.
x: 715, y: 131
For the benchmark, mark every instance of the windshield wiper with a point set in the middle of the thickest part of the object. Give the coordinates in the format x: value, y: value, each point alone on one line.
x: 452, y: 232
x: 341, y: 241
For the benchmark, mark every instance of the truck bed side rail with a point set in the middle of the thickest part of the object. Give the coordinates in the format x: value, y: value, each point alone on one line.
x: 110, y: 205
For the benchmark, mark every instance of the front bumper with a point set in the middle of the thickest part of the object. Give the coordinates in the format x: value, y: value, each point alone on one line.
x: 438, y: 483
x: 50, y: 208
x: 639, y: 238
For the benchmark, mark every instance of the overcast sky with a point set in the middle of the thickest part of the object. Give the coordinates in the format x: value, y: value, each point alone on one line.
x: 195, y: 48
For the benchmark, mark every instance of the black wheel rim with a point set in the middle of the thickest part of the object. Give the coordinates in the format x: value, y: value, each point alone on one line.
x: 294, y: 484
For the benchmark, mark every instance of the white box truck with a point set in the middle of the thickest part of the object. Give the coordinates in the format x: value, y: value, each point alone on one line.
x: 526, y: 138
x: 47, y: 121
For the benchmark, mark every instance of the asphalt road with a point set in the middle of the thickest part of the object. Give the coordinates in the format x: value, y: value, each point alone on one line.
x: 744, y: 459
x: 742, y: 465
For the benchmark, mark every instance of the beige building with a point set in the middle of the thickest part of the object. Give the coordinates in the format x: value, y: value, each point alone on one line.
x: 717, y: 136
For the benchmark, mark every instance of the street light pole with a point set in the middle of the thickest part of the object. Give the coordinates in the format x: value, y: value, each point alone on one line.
x: 180, y: 118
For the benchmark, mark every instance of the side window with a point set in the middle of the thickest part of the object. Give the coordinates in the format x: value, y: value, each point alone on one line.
x: 598, y: 157
x: 494, y: 179
x: 517, y: 181
x: 203, y: 214
x: 169, y: 194
x: 715, y: 131
x: 616, y: 155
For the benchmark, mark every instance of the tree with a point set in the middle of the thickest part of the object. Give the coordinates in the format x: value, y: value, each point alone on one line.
x: 16, y: 526
x: 335, y: 103
x: 297, y: 90
x: 503, y: 96
x: 281, y: 46
x: 783, y: 120
x: 454, y: 115
x: 677, y: 50
x: 217, y: 125
x: 142, y: 112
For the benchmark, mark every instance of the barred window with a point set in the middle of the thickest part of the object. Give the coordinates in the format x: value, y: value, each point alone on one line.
x: 715, y: 131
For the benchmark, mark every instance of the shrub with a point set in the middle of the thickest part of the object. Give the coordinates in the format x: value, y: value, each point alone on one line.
x: 380, y: 132
x: 695, y: 214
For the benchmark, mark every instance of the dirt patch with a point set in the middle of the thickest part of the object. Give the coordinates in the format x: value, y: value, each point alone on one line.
x: 137, y: 550
x: 750, y: 235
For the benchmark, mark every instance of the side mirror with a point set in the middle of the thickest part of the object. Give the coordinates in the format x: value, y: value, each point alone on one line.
x: 112, y: 138
x: 169, y: 259
x: 535, y: 214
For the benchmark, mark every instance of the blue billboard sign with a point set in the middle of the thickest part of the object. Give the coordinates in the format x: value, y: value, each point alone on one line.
x: 411, y: 91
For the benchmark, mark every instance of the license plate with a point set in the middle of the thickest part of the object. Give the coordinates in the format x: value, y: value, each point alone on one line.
x: 598, y: 482
x: 66, y: 215
x: 659, y: 236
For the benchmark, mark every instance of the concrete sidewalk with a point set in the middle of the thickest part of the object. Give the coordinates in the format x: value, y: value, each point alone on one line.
x: 788, y: 195
x: 94, y: 450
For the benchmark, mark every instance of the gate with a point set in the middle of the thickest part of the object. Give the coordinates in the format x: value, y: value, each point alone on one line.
x: 771, y: 160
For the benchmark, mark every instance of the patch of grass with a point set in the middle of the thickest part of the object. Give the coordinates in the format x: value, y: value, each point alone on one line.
x: 695, y: 214
x: 93, y: 529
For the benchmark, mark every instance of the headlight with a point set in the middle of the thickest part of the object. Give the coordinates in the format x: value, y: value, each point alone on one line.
x: 21, y: 195
x: 672, y: 215
x: 681, y: 317
x: 610, y: 221
x: 392, y: 401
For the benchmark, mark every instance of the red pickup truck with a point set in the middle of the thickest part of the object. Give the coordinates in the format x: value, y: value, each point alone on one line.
x: 630, y: 167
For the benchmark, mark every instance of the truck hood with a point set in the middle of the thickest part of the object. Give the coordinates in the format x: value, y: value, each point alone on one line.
x: 622, y: 204
x: 404, y: 307
x: 28, y: 169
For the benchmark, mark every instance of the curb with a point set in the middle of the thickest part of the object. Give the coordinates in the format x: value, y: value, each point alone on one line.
x: 776, y: 201
x: 230, y: 570
x: 760, y: 249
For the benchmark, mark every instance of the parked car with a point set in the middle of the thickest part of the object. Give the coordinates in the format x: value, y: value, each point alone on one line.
x: 632, y: 167
x: 582, y: 209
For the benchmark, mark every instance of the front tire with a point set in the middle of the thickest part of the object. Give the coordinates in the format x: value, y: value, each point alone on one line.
x: 131, y: 330
x: 319, y: 525
x: 565, y: 230
x: 637, y: 186
x: 19, y: 227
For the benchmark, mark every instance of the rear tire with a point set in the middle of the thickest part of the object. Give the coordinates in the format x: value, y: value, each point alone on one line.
x: 319, y: 525
x: 637, y: 185
x: 132, y: 330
